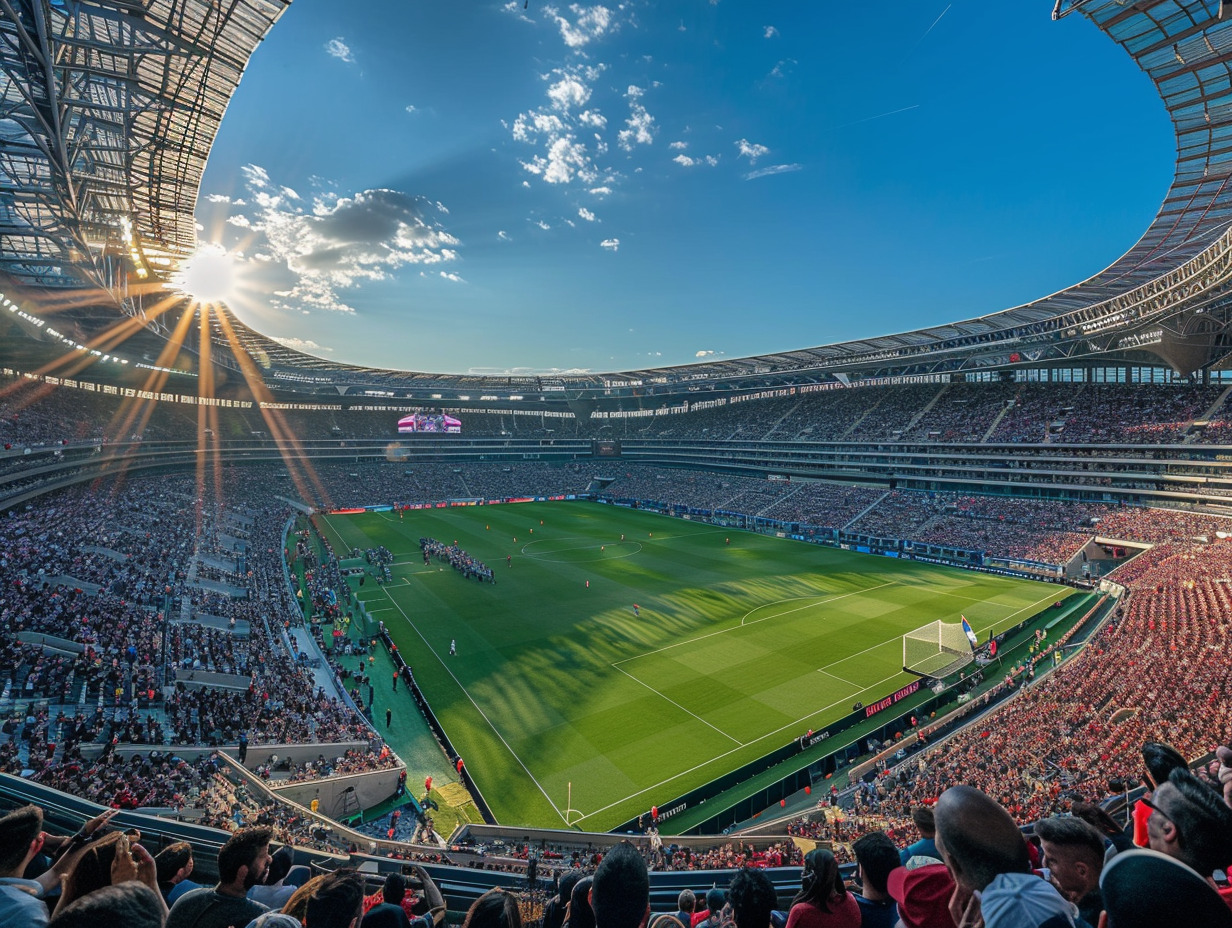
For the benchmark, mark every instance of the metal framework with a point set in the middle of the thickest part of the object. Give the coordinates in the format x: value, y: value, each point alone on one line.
x: 110, y: 108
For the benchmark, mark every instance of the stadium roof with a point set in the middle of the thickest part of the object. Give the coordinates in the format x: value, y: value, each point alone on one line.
x: 110, y: 109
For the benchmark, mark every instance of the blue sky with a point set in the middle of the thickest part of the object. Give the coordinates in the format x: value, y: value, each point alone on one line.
x: 486, y: 187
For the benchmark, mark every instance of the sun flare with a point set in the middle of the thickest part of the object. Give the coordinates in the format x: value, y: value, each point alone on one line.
x: 210, y: 275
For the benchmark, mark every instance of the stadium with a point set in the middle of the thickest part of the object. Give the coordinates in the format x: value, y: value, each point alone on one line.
x: 483, y: 629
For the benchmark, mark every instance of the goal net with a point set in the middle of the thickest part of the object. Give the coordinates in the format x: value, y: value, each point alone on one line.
x: 938, y: 649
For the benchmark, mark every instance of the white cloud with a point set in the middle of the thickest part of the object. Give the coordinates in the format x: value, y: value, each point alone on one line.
x: 566, y: 159
x: 773, y: 169
x: 600, y: 191
x: 301, y: 344
x: 588, y: 24
x: 782, y: 68
x: 503, y: 236
x: 639, y: 127
x: 412, y: 108
x: 311, y: 254
x: 770, y: 32
x: 517, y: 10
x: 687, y: 162
x: 705, y: 354
x: 586, y: 214
x: 218, y: 198
x: 555, y: 128
x: 750, y: 150
x: 678, y: 146
x: 543, y: 225
x: 453, y: 277
x: 568, y: 92
x: 611, y: 244
x: 337, y: 48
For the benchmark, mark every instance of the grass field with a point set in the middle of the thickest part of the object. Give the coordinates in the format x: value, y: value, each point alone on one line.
x: 739, y: 647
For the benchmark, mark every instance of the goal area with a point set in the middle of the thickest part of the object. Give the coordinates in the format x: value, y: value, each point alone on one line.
x: 937, y: 649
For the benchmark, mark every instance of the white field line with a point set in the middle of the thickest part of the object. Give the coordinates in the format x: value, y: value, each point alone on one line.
x: 680, y: 707
x: 837, y: 677
x: 479, y: 709
x: 711, y: 760
x: 732, y: 628
x: 789, y: 724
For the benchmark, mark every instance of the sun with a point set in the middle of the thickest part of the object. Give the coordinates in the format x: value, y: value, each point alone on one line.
x: 210, y: 275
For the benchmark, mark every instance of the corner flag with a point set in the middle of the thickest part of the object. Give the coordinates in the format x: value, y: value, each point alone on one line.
x: 967, y: 630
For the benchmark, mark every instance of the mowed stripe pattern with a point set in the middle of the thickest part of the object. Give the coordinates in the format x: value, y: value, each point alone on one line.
x: 738, y: 648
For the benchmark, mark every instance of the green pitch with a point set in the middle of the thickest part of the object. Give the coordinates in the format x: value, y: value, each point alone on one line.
x: 739, y: 647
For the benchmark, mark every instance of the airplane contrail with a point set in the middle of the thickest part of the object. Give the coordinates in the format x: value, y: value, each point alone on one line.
x: 935, y: 21
x: 901, y: 109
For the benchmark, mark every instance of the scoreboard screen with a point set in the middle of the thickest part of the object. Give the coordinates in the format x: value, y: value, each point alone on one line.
x: 605, y: 448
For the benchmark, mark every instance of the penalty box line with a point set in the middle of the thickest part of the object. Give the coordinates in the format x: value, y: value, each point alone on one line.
x: 717, y: 757
x: 744, y: 624
x: 479, y: 709
x: 679, y: 706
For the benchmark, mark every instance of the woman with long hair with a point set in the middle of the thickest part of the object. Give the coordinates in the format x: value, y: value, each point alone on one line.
x: 823, y: 900
x: 494, y: 909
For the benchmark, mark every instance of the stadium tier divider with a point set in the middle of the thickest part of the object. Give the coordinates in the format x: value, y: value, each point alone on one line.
x: 461, y: 885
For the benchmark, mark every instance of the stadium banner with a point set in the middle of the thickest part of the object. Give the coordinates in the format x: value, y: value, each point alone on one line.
x: 379, y: 508
x: 882, y: 705
x: 345, y: 512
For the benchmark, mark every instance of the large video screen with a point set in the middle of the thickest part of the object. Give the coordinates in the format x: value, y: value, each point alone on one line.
x: 420, y: 422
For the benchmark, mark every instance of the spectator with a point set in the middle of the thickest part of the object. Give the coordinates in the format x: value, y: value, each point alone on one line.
x: 1074, y: 855
x: 554, y: 911
x: 686, y: 902
x: 987, y: 854
x: 823, y: 900
x: 1146, y: 889
x: 876, y: 858
x: 337, y: 901
x: 752, y: 898
x: 923, y: 895
x: 923, y: 818
x: 620, y: 893
x: 580, y: 914
x: 711, y: 915
x: 21, y: 839
x: 393, y: 896
x: 273, y: 892
x: 1114, y: 835
x: 494, y: 909
x: 131, y: 904
x: 174, y: 865
x: 242, y: 864
x: 1188, y: 821
x: 1160, y: 761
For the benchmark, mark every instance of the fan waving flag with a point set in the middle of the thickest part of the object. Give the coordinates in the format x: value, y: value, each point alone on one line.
x: 969, y: 632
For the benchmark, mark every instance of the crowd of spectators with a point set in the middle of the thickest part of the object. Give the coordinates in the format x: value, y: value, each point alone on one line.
x: 115, y: 578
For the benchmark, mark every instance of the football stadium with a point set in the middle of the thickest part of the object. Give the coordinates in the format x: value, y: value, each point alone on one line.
x: 901, y: 629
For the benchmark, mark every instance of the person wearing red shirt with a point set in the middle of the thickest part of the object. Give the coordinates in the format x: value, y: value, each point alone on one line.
x: 823, y: 900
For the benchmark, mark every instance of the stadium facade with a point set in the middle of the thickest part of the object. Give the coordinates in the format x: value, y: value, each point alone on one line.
x: 111, y: 109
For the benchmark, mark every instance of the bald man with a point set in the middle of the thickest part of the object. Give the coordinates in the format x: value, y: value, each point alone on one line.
x: 986, y: 854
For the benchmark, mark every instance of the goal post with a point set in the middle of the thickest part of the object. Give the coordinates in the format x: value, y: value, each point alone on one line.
x: 937, y: 649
